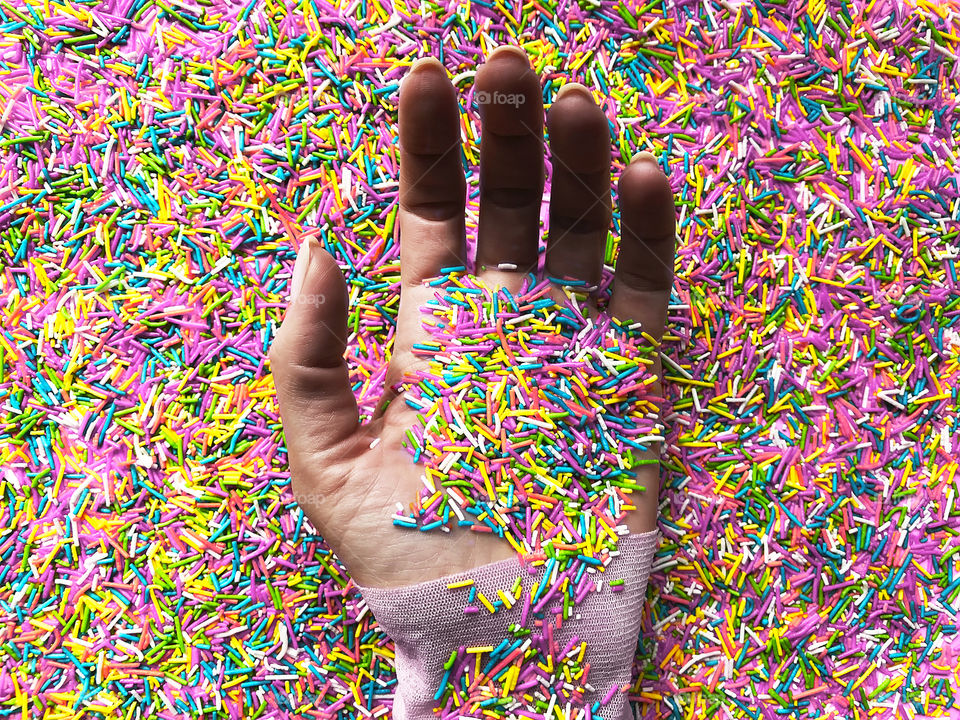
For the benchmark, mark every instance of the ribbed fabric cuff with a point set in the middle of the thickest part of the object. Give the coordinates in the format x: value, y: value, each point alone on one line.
x: 427, y: 623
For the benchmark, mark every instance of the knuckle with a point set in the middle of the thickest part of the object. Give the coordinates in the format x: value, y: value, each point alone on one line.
x: 279, y: 353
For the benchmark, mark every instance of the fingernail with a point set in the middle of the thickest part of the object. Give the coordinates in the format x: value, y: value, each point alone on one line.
x: 508, y: 51
x: 573, y: 87
x: 425, y: 62
x: 300, y: 269
x: 644, y: 155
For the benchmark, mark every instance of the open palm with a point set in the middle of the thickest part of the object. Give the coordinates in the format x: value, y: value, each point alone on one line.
x: 349, y: 477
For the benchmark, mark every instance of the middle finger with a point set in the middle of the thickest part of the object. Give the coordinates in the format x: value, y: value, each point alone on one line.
x: 508, y: 93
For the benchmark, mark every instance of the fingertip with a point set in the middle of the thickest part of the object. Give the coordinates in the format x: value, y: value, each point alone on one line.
x: 647, y: 226
x: 328, y: 280
x: 426, y: 64
x: 426, y: 73
x: 573, y: 92
x: 429, y: 115
x: 508, y: 95
x: 314, y: 329
x: 509, y: 53
x: 645, y: 157
x: 578, y: 131
x: 646, y: 200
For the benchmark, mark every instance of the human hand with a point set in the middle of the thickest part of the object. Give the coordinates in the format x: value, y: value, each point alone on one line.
x: 348, y: 477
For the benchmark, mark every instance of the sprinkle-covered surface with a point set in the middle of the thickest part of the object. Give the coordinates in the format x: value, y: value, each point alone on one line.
x: 158, y: 163
x: 530, y: 414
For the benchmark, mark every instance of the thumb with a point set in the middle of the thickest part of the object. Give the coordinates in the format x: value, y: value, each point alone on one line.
x: 317, y: 405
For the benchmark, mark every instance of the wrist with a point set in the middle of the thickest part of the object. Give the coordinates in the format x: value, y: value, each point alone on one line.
x: 453, y: 653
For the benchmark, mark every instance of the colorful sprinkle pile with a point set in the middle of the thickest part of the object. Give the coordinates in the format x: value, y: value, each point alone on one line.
x: 509, y: 678
x: 159, y: 163
x: 529, y: 414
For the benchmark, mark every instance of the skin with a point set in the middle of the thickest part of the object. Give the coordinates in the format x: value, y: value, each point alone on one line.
x: 349, y: 489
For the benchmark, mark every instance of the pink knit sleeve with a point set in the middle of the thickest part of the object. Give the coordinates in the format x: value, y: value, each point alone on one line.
x: 427, y: 624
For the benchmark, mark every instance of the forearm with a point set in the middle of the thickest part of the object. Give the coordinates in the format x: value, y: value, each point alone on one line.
x: 435, y: 628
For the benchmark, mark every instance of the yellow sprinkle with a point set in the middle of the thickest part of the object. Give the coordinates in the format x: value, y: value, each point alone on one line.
x: 486, y: 602
x: 510, y: 681
x: 460, y: 584
x: 514, y: 544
